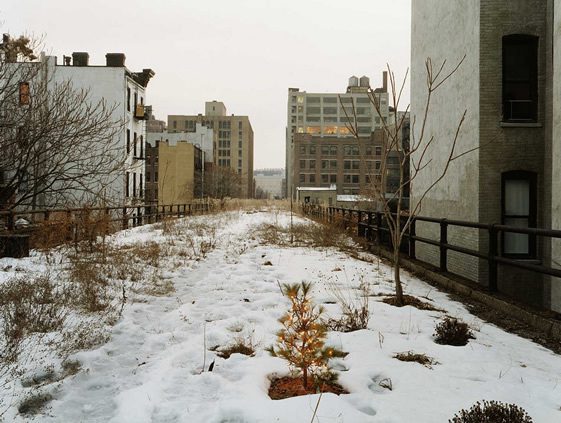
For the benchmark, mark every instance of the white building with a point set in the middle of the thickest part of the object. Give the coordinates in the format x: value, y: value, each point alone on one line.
x: 203, y: 137
x: 124, y: 93
x: 269, y: 181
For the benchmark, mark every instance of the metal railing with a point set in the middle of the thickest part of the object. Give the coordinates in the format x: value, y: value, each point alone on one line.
x: 372, y: 226
x: 75, y: 222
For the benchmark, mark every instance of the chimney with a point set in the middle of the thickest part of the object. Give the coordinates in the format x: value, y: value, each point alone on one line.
x: 115, y: 60
x: 80, y: 58
x: 66, y: 60
x: 385, y: 81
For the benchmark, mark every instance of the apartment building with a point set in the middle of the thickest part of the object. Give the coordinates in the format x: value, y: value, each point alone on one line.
x: 509, y: 83
x: 180, y: 173
x: 202, y: 138
x: 233, y: 144
x: 124, y: 94
x: 328, y: 115
x: 269, y: 182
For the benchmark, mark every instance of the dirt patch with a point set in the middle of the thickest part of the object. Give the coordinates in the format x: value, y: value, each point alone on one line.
x: 423, y: 359
x: 288, y: 387
x: 235, y: 349
x: 409, y: 300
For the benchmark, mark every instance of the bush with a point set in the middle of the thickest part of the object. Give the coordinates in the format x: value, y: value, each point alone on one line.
x: 28, y: 306
x: 356, y: 313
x: 452, y: 332
x: 492, y: 412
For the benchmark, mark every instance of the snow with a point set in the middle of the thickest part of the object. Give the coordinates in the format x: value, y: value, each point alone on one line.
x: 151, y: 368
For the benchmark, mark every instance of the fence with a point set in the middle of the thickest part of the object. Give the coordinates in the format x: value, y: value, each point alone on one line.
x: 373, y: 227
x: 76, y: 224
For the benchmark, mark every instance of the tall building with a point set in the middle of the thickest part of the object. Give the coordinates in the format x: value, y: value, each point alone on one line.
x: 233, y: 144
x: 327, y: 115
x: 509, y: 83
x: 124, y: 94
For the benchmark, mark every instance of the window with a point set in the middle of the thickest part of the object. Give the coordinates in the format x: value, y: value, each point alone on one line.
x: 324, y: 179
x: 127, y: 177
x: 333, y: 164
x: 330, y: 99
x: 302, y: 164
x: 312, y: 149
x: 313, y: 100
x: 312, y: 179
x: 141, y: 147
x: 134, y: 146
x: 128, y: 141
x: 333, y: 150
x: 302, y: 149
x: 519, y: 209
x: 520, y: 77
x: 134, y: 184
x: 140, y: 183
x: 302, y: 178
x: 324, y: 150
x: 325, y: 164
x: 128, y: 99
x: 330, y: 110
x: 24, y: 93
x: 135, y: 101
x: 312, y: 164
x: 378, y: 151
x: 333, y: 179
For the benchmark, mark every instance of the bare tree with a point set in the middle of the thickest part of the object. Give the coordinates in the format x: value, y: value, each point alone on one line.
x: 59, y: 148
x: 412, y: 158
x: 221, y: 182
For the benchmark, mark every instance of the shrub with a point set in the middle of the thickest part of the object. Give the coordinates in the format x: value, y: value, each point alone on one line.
x: 355, y: 310
x: 492, y: 412
x: 28, y: 306
x: 452, y: 332
x: 301, y: 341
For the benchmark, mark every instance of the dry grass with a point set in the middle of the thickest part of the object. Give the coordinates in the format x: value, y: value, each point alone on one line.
x: 423, y: 359
x: 356, y: 314
x: 239, y: 347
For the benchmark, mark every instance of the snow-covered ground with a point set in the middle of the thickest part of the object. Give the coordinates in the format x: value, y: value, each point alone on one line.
x: 151, y: 368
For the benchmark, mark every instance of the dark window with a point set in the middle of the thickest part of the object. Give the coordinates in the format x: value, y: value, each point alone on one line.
x: 127, y: 183
x: 134, y: 146
x: 519, y: 209
x: 135, y: 100
x: 24, y: 93
x: 302, y: 164
x: 312, y: 149
x: 378, y: 151
x: 302, y: 149
x: 312, y: 179
x: 128, y: 99
x: 140, y: 183
x: 312, y: 164
x: 302, y: 178
x: 128, y: 141
x: 141, y: 146
x: 333, y: 179
x: 134, y: 184
x: 520, y: 77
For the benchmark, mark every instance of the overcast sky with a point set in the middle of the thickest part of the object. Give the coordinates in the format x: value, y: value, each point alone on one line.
x: 245, y: 53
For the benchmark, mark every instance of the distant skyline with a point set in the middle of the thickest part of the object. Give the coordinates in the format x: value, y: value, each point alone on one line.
x: 246, y: 53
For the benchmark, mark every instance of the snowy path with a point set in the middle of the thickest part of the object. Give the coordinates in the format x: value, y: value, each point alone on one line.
x: 150, y: 370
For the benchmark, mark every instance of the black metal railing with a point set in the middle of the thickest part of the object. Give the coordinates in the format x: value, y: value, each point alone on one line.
x: 372, y: 226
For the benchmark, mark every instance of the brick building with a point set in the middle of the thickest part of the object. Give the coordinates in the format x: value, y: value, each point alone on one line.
x: 505, y: 83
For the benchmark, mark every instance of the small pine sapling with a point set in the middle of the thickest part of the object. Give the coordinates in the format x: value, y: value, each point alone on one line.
x: 301, y: 341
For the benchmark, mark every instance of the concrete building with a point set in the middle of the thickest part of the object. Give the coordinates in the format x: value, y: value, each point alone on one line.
x: 507, y: 83
x: 233, y: 145
x: 202, y: 138
x: 124, y: 93
x: 269, y: 181
x: 327, y: 115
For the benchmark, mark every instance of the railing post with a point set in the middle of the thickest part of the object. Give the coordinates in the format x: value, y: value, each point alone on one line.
x: 368, y: 233
x: 360, y: 228
x: 125, y: 220
x: 379, y: 228
x: 493, y: 252
x: 11, y: 221
x: 189, y: 208
x: 412, y: 234
x: 443, y: 249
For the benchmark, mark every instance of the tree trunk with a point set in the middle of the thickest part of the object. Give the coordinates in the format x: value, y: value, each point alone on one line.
x: 397, y: 278
x: 305, y: 375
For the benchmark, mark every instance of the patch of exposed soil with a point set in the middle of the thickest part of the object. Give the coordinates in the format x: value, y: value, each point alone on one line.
x: 409, y: 300
x: 288, y: 387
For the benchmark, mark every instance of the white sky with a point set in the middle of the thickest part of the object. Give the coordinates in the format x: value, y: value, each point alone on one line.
x: 245, y: 53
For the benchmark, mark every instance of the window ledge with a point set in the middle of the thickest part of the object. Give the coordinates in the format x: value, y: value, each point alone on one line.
x: 521, y: 125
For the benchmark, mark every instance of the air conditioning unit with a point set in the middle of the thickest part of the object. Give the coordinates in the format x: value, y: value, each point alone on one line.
x: 139, y: 112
